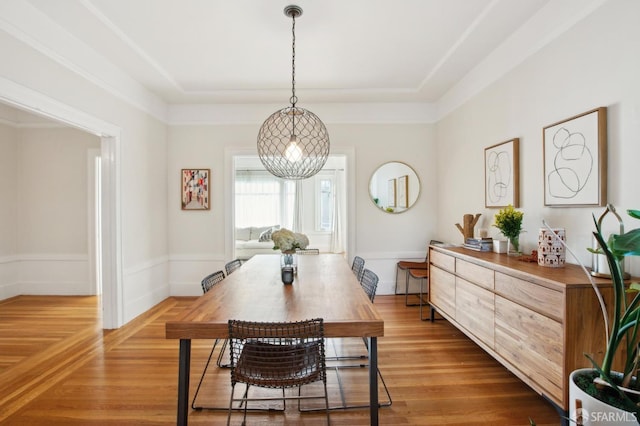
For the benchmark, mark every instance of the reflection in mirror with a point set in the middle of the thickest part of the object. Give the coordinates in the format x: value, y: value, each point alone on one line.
x: 394, y: 187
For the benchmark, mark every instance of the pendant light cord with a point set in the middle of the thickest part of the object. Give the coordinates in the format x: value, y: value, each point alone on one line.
x: 293, y: 99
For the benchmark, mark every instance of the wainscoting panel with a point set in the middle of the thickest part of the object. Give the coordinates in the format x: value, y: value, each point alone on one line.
x: 145, y: 285
x: 46, y: 274
x: 187, y: 271
x: 8, y: 277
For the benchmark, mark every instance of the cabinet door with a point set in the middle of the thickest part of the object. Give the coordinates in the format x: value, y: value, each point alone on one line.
x: 475, y: 310
x: 442, y: 291
x: 533, y: 343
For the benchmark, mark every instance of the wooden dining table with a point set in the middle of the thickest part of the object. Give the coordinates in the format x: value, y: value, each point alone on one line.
x: 324, y: 287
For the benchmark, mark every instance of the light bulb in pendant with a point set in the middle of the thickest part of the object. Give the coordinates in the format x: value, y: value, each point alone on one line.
x: 293, y: 153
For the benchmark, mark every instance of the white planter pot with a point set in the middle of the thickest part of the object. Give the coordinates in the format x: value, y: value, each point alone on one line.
x: 595, y: 412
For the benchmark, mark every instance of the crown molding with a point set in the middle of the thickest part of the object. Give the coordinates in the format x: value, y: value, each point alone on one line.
x: 553, y: 20
x: 27, y: 24
x: 335, y: 113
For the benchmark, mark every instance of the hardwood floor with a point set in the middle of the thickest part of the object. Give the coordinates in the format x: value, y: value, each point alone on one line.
x: 57, y: 366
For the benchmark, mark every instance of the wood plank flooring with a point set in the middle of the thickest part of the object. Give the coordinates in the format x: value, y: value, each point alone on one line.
x: 58, y: 367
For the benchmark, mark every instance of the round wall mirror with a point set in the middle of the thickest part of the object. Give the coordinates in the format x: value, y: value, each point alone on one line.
x: 394, y: 187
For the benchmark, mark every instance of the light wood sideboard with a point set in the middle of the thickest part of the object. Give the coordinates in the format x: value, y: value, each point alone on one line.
x: 537, y: 321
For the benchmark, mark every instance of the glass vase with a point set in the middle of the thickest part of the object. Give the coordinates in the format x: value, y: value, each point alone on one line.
x: 289, y: 259
x: 513, y: 246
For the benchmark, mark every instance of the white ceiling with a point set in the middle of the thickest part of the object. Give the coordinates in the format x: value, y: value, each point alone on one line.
x: 223, y: 51
x: 181, y: 59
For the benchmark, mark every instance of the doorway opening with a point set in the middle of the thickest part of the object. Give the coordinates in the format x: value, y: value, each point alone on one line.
x: 110, y: 250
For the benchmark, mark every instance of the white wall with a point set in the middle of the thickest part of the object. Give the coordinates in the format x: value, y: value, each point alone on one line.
x: 52, y: 210
x: 51, y: 191
x: 596, y: 63
x: 46, y: 210
x: 197, y: 238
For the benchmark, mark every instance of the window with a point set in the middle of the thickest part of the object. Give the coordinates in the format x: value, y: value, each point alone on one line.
x: 261, y: 199
x: 325, y: 194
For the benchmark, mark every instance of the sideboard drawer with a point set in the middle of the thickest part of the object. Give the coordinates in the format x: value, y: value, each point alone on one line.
x: 442, y: 291
x: 474, y: 273
x: 536, y: 297
x: 443, y: 261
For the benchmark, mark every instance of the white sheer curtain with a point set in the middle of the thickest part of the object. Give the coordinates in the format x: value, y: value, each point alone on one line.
x: 261, y: 199
x: 297, y: 208
x: 337, y: 231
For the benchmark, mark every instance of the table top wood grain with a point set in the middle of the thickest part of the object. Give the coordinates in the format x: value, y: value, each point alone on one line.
x: 325, y: 287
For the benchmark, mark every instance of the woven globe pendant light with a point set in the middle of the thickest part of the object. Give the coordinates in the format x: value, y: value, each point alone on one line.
x: 293, y: 143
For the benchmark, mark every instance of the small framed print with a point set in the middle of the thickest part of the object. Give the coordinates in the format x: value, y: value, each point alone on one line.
x: 391, y: 192
x: 502, y: 174
x: 575, y: 160
x: 403, y: 192
x: 195, y: 189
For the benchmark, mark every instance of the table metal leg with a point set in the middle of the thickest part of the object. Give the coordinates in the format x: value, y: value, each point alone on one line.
x: 183, y: 381
x: 373, y: 380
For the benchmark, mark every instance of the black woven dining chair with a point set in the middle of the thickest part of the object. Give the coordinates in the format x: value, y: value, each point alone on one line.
x: 277, y: 355
x: 231, y: 266
x: 308, y: 251
x: 212, y: 279
x: 369, y: 283
x: 208, y: 283
x: 357, y: 267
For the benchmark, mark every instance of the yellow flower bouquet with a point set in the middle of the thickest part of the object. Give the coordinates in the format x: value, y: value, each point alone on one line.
x: 509, y: 221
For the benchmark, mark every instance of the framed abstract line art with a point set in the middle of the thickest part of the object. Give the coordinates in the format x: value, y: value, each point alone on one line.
x: 403, y: 192
x: 195, y: 189
x: 575, y: 160
x: 391, y: 192
x: 502, y: 174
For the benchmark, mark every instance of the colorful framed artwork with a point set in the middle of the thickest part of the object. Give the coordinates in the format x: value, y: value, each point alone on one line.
x: 575, y: 160
x: 502, y: 174
x: 195, y: 189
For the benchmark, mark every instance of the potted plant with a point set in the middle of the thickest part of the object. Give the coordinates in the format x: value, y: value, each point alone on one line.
x: 509, y: 221
x: 619, y: 389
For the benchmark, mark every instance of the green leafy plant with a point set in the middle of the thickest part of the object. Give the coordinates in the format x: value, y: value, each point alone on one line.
x: 622, y: 325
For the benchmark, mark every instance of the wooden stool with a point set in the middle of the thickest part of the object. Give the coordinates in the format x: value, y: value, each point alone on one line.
x: 404, y: 266
x: 423, y: 276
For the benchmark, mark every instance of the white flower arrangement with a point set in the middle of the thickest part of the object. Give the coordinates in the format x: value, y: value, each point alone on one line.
x: 286, y: 240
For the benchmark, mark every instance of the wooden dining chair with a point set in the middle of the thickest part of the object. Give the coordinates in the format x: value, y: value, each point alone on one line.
x: 231, y: 266
x: 277, y: 355
x: 422, y: 275
x: 208, y: 283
